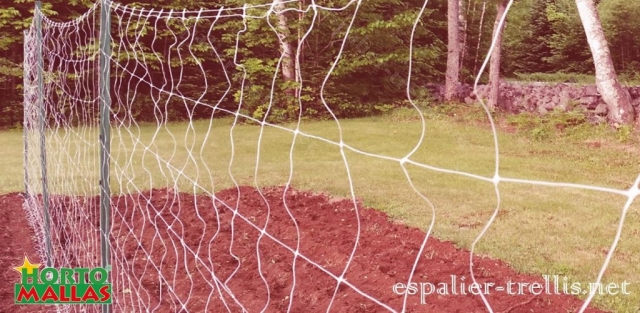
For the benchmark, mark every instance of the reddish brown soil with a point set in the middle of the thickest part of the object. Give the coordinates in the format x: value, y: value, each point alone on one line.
x: 384, y: 257
x: 16, y: 240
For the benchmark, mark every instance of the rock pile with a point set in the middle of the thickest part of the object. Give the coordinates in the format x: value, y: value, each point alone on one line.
x: 539, y: 97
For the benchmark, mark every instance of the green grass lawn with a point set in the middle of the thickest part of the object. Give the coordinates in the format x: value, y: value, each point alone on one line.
x: 543, y: 230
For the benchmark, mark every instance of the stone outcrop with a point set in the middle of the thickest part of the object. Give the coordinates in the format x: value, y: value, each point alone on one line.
x: 539, y: 97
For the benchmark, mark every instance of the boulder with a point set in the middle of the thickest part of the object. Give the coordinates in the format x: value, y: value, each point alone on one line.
x: 542, y: 110
x: 565, y: 100
x: 468, y: 100
x: 547, y: 103
x: 591, y: 91
x: 591, y: 102
x: 602, y: 109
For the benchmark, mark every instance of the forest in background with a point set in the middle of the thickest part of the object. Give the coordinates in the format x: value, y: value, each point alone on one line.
x: 540, y: 37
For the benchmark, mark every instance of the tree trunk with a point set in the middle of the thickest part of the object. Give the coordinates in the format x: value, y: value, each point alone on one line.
x: 462, y: 20
x: 288, y: 67
x: 475, y: 61
x: 299, y: 48
x: 617, y: 99
x: 494, y: 66
x: 453, y: 51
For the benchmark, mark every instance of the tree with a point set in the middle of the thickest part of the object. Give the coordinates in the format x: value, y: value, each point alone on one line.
x: 617, y: 99
x: 494, y: 67
x: 453, y: 51
x: 621, y: 33
x: 15, y: 17
x: 462, y: 20
x: 288, y: 67
x: 479, y: 39
x: 535, y: 51
x: 569, y: 47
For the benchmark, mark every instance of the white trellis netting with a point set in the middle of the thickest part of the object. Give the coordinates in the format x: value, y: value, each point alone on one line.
x: 169, y: 157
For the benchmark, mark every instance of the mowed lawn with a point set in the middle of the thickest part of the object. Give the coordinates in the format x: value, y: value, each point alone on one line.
x: 539, y: 229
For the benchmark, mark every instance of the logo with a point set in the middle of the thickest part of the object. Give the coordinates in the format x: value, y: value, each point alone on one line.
x: 61, y: 286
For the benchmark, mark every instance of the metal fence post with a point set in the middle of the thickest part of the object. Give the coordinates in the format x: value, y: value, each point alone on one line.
x: 43, y: 129
x: 105, y: 137
x: 25, y: 131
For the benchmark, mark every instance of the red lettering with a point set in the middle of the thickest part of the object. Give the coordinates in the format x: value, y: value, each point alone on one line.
x: 49, y: 294
x: 90, y: 294
x: 23, y: 293
x: 62, y: 293
x: 106, y: 295
x: 74, y: 294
